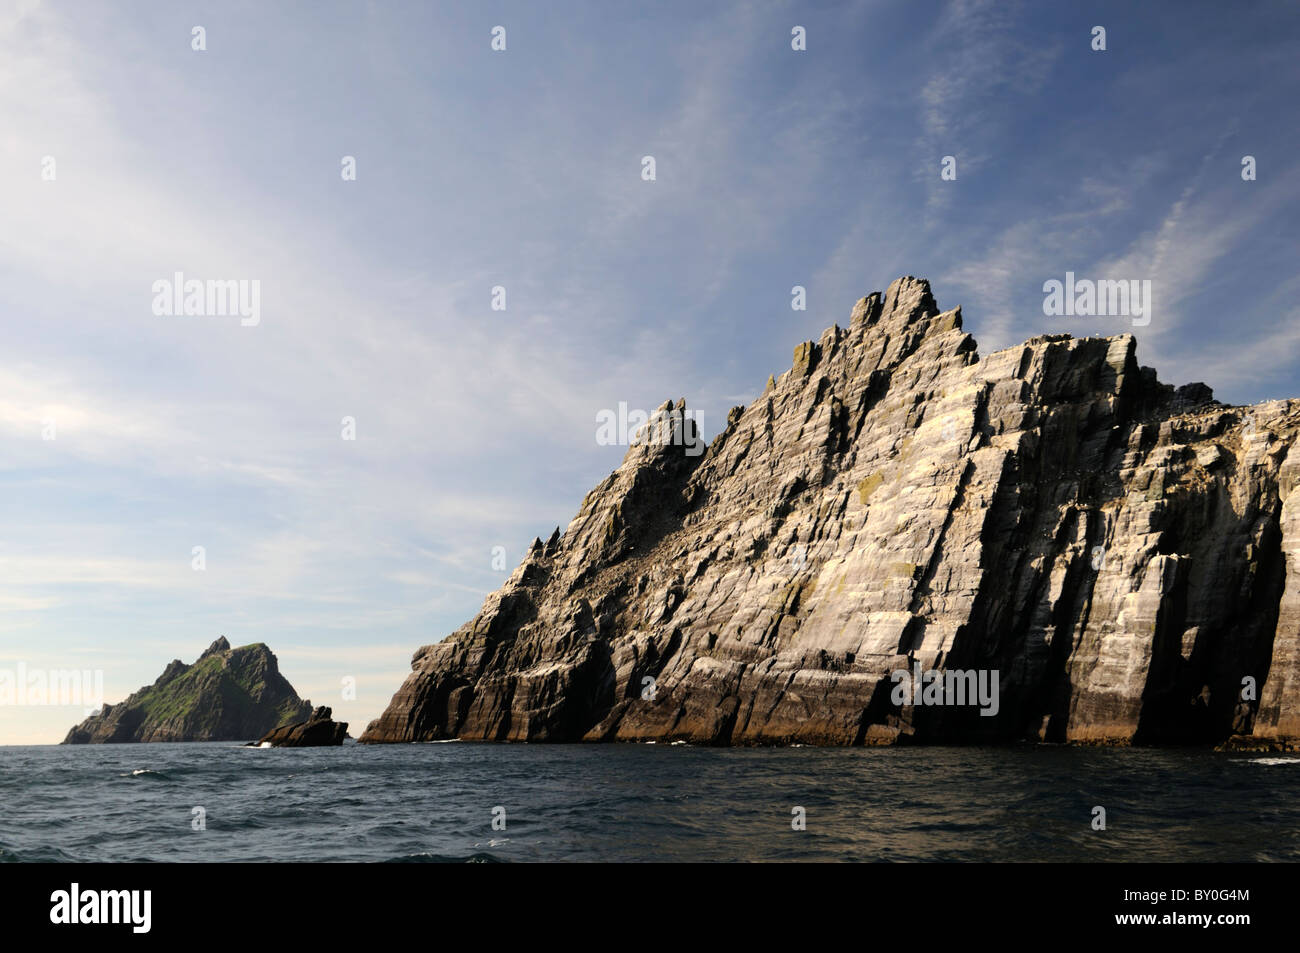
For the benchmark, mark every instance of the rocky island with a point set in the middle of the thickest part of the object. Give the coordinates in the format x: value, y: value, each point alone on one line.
x: 226, y: 695
x: 318, y: 731
x: 1116, y: 557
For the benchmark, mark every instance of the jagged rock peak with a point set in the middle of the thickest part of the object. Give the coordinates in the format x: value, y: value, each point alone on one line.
x: 220, y: 645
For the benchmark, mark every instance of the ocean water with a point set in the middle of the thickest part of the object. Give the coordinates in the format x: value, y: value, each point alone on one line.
x: 435, y: 802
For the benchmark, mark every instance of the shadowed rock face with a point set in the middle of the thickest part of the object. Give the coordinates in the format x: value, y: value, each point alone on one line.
x: 1116, y: 550
x: 317, y: 731
x: 227, y: 695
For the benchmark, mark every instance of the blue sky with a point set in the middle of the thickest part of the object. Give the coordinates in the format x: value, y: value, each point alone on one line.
x: 522, y: 169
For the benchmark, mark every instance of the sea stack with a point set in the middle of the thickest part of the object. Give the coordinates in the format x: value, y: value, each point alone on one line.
x: 318, y: 731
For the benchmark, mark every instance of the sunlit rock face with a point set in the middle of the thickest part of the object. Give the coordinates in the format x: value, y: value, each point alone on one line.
x: 1113, y: 552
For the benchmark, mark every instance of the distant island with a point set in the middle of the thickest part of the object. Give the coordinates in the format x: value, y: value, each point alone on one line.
x: 903, y: 541
x: 226, y: 695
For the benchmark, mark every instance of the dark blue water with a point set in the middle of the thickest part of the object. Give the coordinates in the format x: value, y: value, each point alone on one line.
x: 643, y: 802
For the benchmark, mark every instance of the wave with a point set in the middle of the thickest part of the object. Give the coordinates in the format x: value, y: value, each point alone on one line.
x: 428, y: 857
x: 143, y: 773
x: 37, y: 855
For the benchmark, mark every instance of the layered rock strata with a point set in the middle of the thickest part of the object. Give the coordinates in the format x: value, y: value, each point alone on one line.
x: 1120, y: 553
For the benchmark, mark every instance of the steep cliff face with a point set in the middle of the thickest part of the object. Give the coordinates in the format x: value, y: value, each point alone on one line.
x: 227, y: 695
x: 1118, y: 553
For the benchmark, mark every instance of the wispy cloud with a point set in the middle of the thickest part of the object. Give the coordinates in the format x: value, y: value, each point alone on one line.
x: 474, y: 427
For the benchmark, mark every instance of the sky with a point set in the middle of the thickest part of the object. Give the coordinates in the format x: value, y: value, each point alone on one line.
x: 127, y: 155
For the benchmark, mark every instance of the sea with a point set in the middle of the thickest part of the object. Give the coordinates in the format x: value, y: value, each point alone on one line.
x: 464, y: 802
